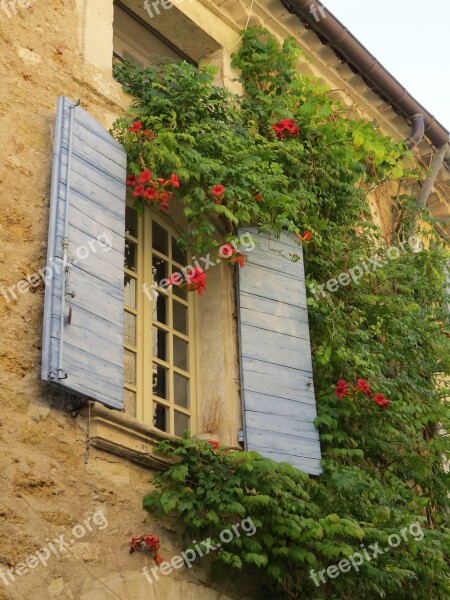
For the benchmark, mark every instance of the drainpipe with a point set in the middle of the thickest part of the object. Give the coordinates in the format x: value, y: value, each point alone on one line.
x: 417, y: 130
x: 415, y: 137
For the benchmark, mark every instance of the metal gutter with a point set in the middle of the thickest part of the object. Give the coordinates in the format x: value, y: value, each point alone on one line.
x: 333, y: 33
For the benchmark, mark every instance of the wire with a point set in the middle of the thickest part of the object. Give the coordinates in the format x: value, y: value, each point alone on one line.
x: 250, y: 14
x: 54, y: 534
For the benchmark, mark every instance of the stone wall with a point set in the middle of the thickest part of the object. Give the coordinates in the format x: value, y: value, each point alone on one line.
x: 58, y: 47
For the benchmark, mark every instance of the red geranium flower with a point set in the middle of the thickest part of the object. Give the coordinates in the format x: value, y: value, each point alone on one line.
x: 146, y: 175
x: 215, y: 445
x: 381, y: 401
x: 137, y: 125
x: 175, y: 181
x: 341, y: 388
x: 131, y: 179
x: 198, y: 278
x: 139, y: 190
x: 363, y: 386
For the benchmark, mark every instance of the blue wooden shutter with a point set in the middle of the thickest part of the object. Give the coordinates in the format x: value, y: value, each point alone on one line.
x: 275, y: 353
x: 83, y: 312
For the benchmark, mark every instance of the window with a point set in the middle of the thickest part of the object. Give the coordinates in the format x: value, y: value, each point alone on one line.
x: 159, y: 348
x: 138, y: 42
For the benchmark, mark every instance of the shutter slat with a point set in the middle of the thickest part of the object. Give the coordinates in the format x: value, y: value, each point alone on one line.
x: 275, y: 353
x: 92, y: 362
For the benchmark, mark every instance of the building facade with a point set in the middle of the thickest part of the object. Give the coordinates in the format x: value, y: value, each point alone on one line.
x: 79, y: 469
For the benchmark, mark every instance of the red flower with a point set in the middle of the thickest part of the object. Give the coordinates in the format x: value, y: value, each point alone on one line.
x: 363, y: 386
x: 131, y: 179
x: 198, y: 279
x: 165, y: 197
x: 137, y: 125
x: 215, y: 445
x: 175, y: 181
x: 238, y: 258
x: 307, y: 235
x: 175, y: 279
x: 341, y: 389
x: 279, y: 131
x: 218, y: 190
x: 283, y: 126
x: 226, y: 251
x: 381, y: 401
x: 151, y: 194
x: 146, y: 175
x: 258, y: 198
x: 139, y: 190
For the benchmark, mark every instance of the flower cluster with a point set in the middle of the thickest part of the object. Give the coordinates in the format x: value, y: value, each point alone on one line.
x: 136, y: 127
x: 229, y: 254
x: 285, y: 126
x: 147, y: 541
x: 214, y: 444
x: 196, y: 280
x: 344, y: 390
x: 218, y: 191
x: 149, y: 190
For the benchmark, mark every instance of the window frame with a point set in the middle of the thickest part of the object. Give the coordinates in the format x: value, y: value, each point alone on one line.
x: 150, y: 29
x: 145, y: 398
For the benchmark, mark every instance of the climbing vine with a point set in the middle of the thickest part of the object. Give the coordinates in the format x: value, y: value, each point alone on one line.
x: 286, y: 155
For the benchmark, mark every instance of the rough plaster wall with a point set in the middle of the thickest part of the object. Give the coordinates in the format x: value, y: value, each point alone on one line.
x: 45, y: 486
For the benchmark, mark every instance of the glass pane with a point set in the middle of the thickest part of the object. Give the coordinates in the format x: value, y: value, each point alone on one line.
x: 130, y: 403
x: 131, y: 224
x: 178, y: 292
x: 161, y: 417
x: 130, y: 291
x: 130, y: 367
x: 180, y: 316
x: 181, y: 390
x: 181, y: 423
x: 160, y: 269
x: 159, y: 343
x: 159, y: 312
x: 130, y: 255
x: 160, y: 239
x: 177, y: 254
x: 180, y: 353
x: 160, y: 380
x: 130, y: 329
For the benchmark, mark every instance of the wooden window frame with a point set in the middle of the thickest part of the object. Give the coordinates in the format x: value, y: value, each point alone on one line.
x: 143, y: 387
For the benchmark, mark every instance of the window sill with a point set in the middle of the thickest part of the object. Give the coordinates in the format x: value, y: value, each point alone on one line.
x: 127, y: 437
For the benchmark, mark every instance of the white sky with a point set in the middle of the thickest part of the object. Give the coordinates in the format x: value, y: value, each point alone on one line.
x: 411, y: 39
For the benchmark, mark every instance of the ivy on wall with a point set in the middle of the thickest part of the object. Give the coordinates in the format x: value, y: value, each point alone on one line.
x: 289, y: 156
